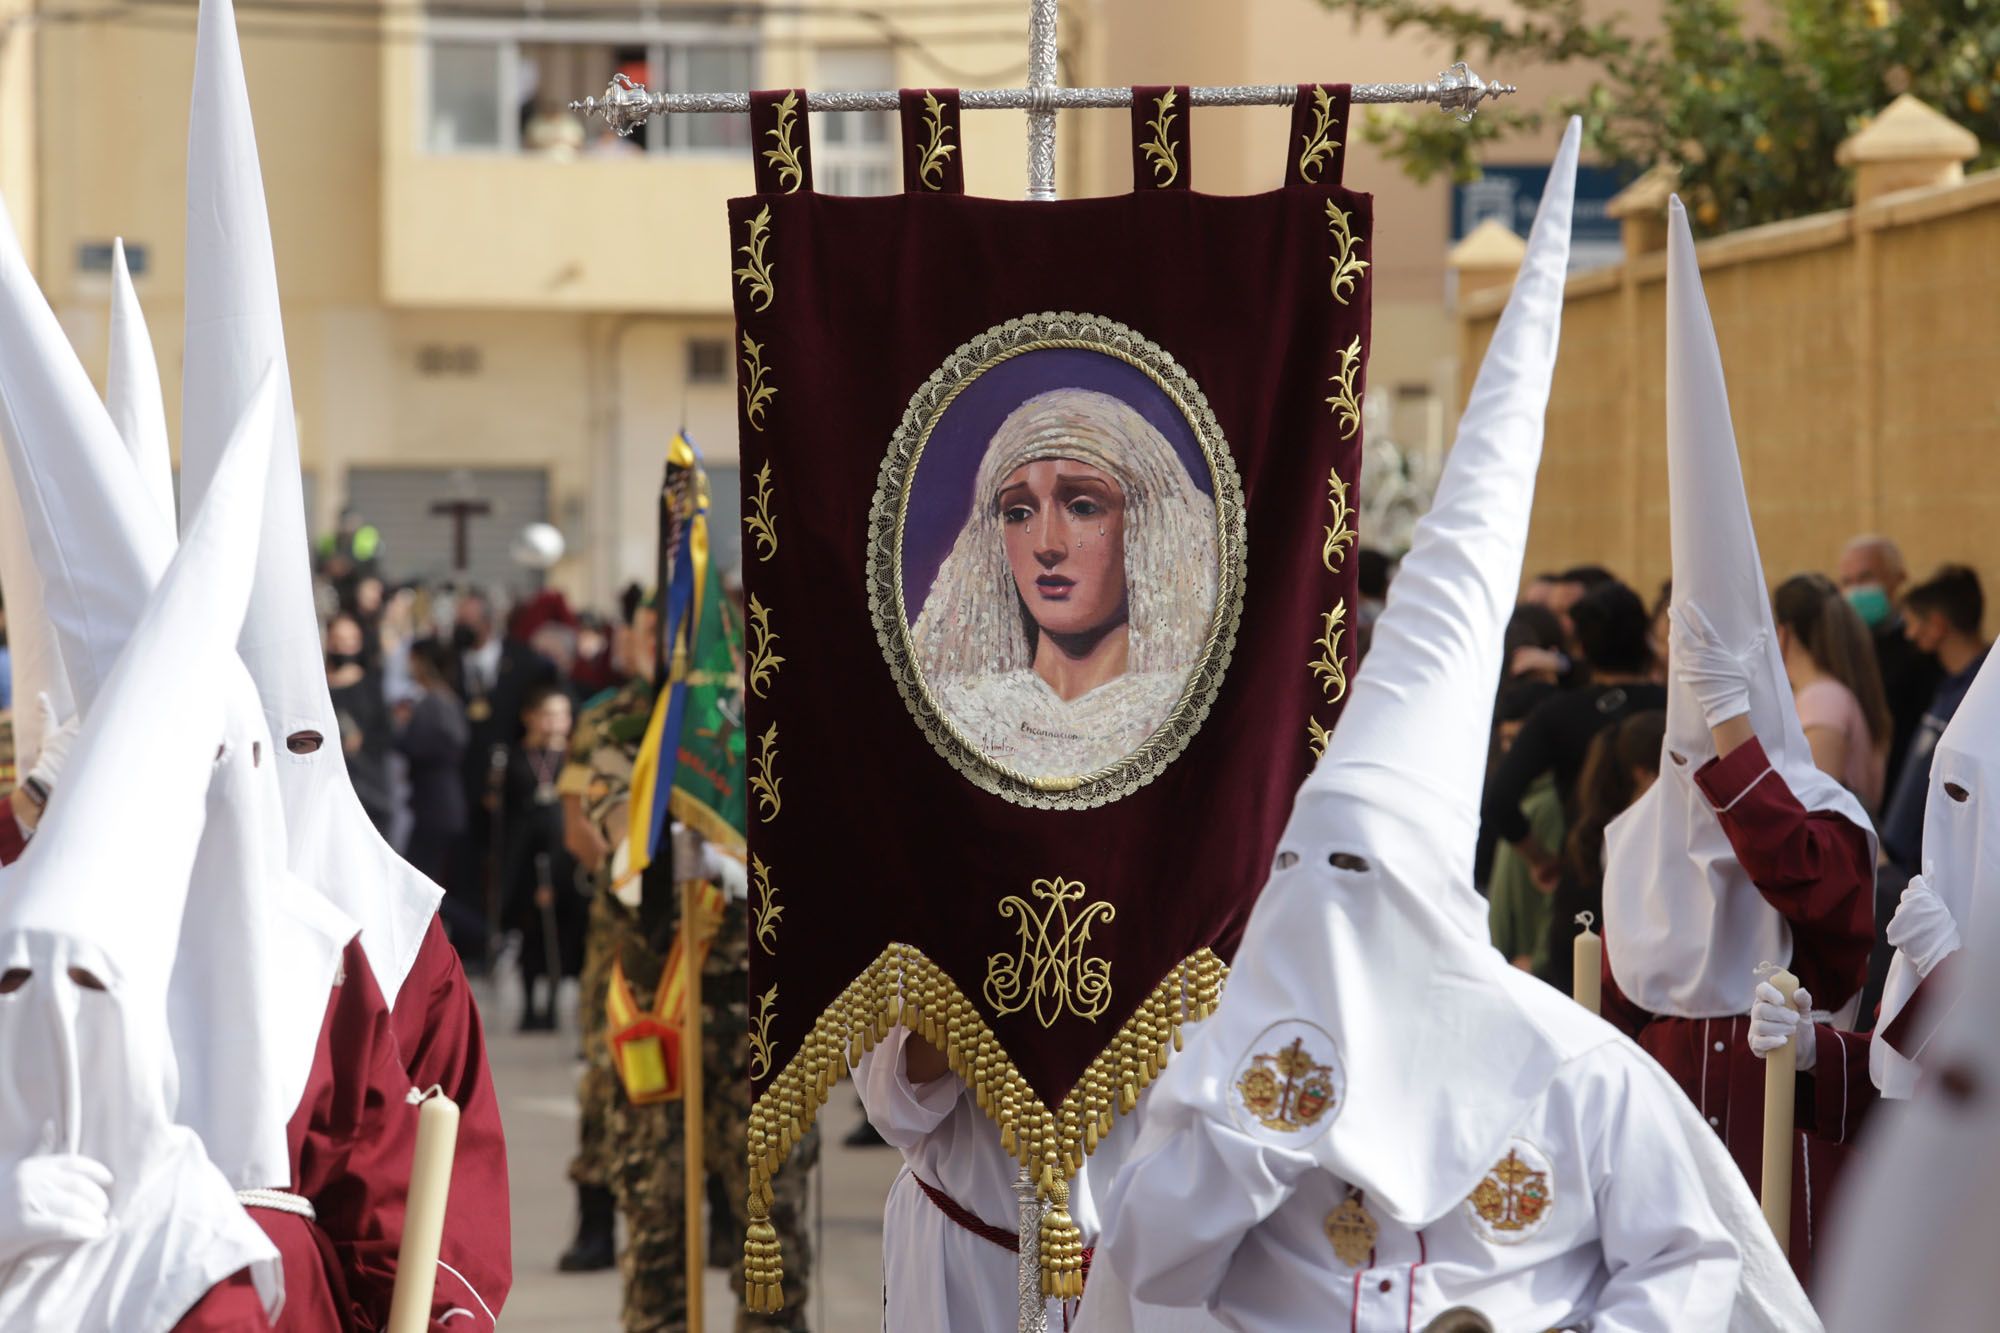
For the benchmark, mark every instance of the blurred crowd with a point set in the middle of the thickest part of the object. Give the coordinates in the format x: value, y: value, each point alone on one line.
x: 456, y: 707
x: 1877, y: 662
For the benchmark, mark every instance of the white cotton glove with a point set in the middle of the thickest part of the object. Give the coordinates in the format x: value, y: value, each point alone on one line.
x: 57, y: 737
x: 726, y: 871
x: 1718, y: 673
x: 1922, y: 927
x: 52, y: 1199
x: 1773, y: 1023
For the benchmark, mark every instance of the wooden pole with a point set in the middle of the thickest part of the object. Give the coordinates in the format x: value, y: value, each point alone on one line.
x: 1780, y: 1071
x: 692, y: 1126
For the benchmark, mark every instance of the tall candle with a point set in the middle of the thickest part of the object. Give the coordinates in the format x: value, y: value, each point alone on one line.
x: 1780, y: 1071
x: 423, y: 1217
x: 1587, y: 983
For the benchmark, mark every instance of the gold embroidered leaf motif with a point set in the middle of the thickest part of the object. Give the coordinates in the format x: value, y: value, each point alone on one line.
x: 1319, y: 145
x: 764, y: 780
x: 936, y: 150
x: 785, y: 157
x: 1340, y: 533
x: 1346, y: 398
x: 768, y: 907
x: 1347, y: 266
x: 1161, y: 151
x: 755, y: 274
x: 1317, y: 737
x: 1049, y: 968
x: 1288, y: 1089
x: 760, y: 1034
x: 764, y: 663
x: 1330, y: 668
x: 763, y: 529
x: 756, y: 392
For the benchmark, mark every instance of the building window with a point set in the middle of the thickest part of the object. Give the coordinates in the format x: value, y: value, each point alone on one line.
x: 465, y: 96
x: 708, y: 361
x: 855, y: 152
x: 505, y: 85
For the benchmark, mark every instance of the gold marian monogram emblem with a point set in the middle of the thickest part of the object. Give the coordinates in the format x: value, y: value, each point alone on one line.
x: 1049, y: 969
x: 1514, y: 1198
x: 1288, y: 1089
x: 1352, y: 1231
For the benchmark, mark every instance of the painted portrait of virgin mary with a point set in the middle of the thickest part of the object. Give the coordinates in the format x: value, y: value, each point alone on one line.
x: 1062, y: 626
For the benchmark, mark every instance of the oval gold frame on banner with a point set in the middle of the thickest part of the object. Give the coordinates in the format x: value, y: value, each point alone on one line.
x: 890, y: 510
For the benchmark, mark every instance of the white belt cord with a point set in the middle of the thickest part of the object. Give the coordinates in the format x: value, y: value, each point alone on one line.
x: 278, y: 1201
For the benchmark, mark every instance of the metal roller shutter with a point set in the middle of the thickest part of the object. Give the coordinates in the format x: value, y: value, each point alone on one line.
x: 417, y: 544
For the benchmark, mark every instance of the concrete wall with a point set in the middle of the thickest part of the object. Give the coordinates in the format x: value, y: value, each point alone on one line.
x: 1859, y: 350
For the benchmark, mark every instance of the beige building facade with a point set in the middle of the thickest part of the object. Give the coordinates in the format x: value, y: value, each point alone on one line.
x: 483, y: 294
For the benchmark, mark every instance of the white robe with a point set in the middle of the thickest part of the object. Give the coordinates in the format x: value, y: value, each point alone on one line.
x: 937, y: 1277
x: 1631, y: 1240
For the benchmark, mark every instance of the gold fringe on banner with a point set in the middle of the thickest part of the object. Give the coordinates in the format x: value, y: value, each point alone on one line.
x: 903, y: 986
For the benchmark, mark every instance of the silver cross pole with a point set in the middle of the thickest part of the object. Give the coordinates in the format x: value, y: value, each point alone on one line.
x: 626, y: 105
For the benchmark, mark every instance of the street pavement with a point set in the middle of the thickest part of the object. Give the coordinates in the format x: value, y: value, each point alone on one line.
x: 536, y: 1078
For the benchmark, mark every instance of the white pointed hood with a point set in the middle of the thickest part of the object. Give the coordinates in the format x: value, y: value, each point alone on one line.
x: 1961, y: 860
x: 132, y: 388
x: 1369, y: 939
x: 99, y: 547
x: 1685, y: 927
x: 90, y: 912
x: 234, y: 328
x: 1912, y: 1245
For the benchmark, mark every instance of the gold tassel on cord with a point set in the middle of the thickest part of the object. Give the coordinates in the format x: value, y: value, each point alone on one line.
x: 1062, y: 1249
x: 763, y: 1260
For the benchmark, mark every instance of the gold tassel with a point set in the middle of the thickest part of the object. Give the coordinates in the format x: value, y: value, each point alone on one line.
x: 763, y: 1259
x: 1062, y: 1248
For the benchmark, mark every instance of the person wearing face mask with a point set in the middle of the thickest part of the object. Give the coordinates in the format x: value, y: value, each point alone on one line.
x: 1871, y: 577
x: 1943, y: 617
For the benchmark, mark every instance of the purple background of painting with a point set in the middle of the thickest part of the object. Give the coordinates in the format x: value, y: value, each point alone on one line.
x: 941, y: 497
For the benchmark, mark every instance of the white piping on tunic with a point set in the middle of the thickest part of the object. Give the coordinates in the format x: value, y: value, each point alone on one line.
x: 477, y: 1298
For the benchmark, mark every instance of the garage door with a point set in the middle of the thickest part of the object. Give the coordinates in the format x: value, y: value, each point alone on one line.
x: 417, y: 543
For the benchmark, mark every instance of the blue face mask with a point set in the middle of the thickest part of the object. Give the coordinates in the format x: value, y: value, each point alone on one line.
x: 1870, y: 603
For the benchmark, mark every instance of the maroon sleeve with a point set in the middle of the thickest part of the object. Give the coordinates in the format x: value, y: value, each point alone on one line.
x: 1813, y: 867
x: 231, y: 1306
x: 12, y: 840
x: 443, y: 1044
x: 1615, y: 1008
x: 1842, y: 1092
x: 1917, y: 1021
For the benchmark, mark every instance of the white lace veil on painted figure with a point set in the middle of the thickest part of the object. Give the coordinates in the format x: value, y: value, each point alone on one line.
x: 973, y: 641
x: 89, y: 917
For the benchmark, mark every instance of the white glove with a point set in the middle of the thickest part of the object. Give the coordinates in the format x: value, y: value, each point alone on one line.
x: 1773, y: 1023
x: 1718, y: 674
x: 52, y: 1199
x: 57, y: 737
x: 726, y: 871
x: 1922, y: 927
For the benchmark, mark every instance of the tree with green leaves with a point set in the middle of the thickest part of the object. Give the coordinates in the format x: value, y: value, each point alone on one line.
x: 1751, y: 118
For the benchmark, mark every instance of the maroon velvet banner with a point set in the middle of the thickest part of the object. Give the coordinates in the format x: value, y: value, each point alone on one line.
x: 1049, y: 554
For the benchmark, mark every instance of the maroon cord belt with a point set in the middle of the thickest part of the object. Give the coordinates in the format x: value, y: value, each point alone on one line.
x: 979, y: 1226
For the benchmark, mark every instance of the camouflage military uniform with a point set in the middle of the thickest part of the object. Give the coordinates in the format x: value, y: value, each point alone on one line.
x: 635, y: 1151
x: 649, y: 1180
x: 7, y: 776
x: 599, y: 772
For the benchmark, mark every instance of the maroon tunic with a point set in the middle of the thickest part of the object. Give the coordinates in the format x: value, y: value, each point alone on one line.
x: 230, y: 1307
x: 437, y: 1027
x: 1814, y: 868
x: 13, y: 838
